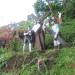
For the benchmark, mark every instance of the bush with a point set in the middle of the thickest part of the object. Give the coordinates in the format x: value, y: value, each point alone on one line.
x: 16, y: 44
x: 69, y: 9
x: 68, y: 31
x: 48, y: 41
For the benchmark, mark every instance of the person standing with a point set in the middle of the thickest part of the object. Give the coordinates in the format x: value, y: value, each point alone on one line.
x: 55, y: 32
x: 27, y: 39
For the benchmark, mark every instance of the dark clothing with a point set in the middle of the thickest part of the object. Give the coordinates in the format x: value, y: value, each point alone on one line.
x: 28, y: 38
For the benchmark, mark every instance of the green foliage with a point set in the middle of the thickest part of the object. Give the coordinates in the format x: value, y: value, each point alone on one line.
x: 39, y: 6
x: 55, y: 7
x: 4, y: 56
x: 64, y: 63
x: 48, y: 41
x: 30, y: 70
x: 16, y: 44
x: 68, y: 31
x: 10, y: 73
x: 25, y: 24
x: 69, y: 9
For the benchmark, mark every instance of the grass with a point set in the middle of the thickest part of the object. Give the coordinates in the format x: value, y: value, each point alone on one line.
x: 5, y: 56
x: 64, y: 64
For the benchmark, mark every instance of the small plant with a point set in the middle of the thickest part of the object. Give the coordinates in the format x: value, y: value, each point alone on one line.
x: 16, y: 44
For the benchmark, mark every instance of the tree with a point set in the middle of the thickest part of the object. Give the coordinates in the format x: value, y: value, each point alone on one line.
x: 25, y: 24
x: 43, y: 6
x: 69, y: 9
x: 40, y: 7
x: 55, y: 7
x: 32, y: 18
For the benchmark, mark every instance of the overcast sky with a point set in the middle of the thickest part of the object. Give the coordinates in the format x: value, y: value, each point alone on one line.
x: 15, y: 10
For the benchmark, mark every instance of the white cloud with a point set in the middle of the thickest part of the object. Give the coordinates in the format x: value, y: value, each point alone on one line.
x: 14, y: 10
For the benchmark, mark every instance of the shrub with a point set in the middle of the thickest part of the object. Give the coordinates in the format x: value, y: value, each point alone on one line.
x: 68, y: 31
x: 16, y: 45
x: 48, y: 41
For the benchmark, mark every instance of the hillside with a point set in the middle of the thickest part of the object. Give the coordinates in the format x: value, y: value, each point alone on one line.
x: 47, y: 61
x: 56, y: 63
x: 60, y: 62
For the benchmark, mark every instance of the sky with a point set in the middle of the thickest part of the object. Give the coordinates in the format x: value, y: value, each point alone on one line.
x: 15, y: 10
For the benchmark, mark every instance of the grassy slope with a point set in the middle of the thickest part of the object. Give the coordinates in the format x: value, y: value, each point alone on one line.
x: 4, y: 56
x: 68, y: 31
x: 65, y: 63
